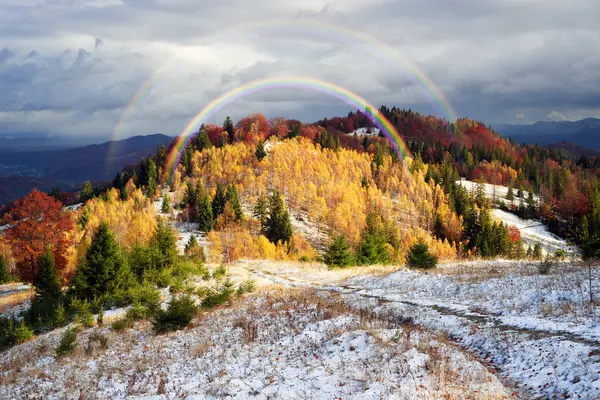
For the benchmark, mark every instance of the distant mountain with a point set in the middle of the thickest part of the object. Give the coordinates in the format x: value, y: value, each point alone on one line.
x: 585, y: 133
x: 574, y: 151
x: 14, y: 187
x: 23, y: 170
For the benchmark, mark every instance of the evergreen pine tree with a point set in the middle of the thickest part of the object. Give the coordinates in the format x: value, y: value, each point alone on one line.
x: 191, y: 245
x: 161, y: 156
x: 234, y: 200
x: 537, y: 251
x: 279, y: 226
x: 124, y: 193
x: 228, y: 127
x: 205, y: 213
x: 190, y: 195
x: 87, y: 192
x: 166, y: 206
x: 260, y: 151
x: 419, y: 256
x: 203, y: 141
x: 510, y: 195
x: 339, y: 254
x: 103, y: 269
x: 164, y: 240
x: 261, y: 211
x: 520, y: 192
x: 372, y: 248
x: 218, y: 202
x: 151, y: 173
x: 46, y: 280
x: 4, y: 273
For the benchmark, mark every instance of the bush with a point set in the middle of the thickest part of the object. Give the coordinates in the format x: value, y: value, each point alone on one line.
x: 560, y: 254
x: 84, y: 316
x: 178, y: 315
x: 545, y: 266
x: 68, y: 342
x: 219, y: 296
x: 219, y: 272
x: 22, y: 333
x: 420, y: 257
x: 121, y: 324
x: 247, y: 286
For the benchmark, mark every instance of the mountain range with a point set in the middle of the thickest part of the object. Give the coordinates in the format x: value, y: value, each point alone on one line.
x: 22, y: 169
x: 585, y: 132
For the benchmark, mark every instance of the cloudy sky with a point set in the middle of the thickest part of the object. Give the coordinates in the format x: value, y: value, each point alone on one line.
x: 73, y: 66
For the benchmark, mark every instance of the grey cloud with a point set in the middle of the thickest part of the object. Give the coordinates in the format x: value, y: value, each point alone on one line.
x: 75, y: 65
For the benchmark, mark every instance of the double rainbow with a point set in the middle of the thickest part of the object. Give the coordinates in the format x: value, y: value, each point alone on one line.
x: 414, y: 72
x: 301, y: 82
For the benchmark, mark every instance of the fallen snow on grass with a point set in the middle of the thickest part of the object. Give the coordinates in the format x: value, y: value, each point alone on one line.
x: 533, y: 231
x: 297, y: 346
x: 497, y: 193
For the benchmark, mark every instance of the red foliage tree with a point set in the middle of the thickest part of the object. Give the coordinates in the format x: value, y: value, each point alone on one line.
x: 245, y: 125
x: 38, y: 221
x: 514, y: 234
x: 216, y: 134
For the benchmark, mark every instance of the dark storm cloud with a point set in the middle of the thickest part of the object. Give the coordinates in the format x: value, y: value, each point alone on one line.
x: 75, y: 64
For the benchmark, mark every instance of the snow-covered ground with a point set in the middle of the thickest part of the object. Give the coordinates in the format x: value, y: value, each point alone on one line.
x: 533, y: 231
x: 366, y: 131
x: 497, y: 193
x: 539, y: 330
x: 289, y: 345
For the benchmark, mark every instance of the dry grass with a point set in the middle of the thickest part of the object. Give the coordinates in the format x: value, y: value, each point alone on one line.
x: 12, y: 300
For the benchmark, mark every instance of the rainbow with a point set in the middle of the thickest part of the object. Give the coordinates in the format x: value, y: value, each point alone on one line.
x: 314, y: 84
x: 433, y: 93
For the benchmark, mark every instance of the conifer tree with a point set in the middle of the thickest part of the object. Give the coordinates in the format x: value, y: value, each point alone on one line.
x: 228, y: 127
x: 520, y: 191
x: 203, y: 141
x: 372, y: 248
x: 164, y: 240
x: 537, y: 251
x: 234, y: 200
x: 46, y: 280
x: 124, y: 193
x: 205, y: 213
x: 279, y: 226
x: 218, y: 202
x: 87, y: 192
x: 104, y: 268
x: 166, y: 206
x: 260, y: 151
x: 4, y: 273
x: 419, y: 256
x: 161, y: 156
x: 190, y: 195
x: 339, y: 254
x: 510, y: 195
x: 261, y: 211
x: 151, y: 173
x: 191, y: 245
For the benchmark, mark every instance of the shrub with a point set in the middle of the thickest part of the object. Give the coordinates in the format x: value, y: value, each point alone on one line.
x: 560, y: 254
x: 100, y: 318
x: 22, y: 333
x: 247, y: 286
x: 219, y: 272
x: 60, y: 318
x: 420, y: 257
x: 96, y: 337
x: 220, y: 296
x: 180, y: 312
x: 545, y: 266
x: 68, y: 342
x: 84, y: 315
x: 121, y: 324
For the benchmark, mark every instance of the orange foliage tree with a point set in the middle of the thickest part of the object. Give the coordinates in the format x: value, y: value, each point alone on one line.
x: 38, y: 222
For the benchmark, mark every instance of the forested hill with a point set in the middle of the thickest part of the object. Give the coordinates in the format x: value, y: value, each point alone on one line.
x: 443, y: 152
